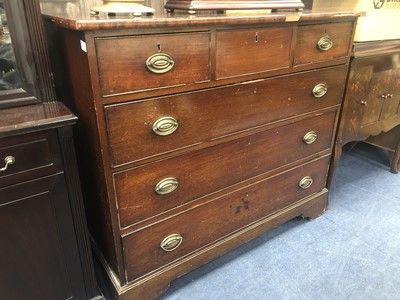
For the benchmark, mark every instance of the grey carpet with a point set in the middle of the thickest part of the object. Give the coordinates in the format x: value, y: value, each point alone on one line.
x: 351, y: 252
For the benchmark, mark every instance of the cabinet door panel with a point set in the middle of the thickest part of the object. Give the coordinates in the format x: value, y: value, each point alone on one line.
x: 391, y: 105
x: 383, y: 96
x: 38, y: 262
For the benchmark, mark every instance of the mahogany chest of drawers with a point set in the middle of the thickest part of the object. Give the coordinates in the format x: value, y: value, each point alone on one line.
x: 198, y: 134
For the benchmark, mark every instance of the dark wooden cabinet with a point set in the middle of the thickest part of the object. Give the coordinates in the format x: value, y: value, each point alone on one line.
x: 39, y: 246
x: 198, y: 134
x: 371, y: 104
x: 45, y: 251
x: 44, y: 244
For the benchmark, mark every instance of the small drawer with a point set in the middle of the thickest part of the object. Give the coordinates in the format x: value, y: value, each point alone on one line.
x: 246, y: 51
x: 139, y: 130
x: 29, y: 156
x: 324, y: 42
x: 160, y: 186
x: 165, y: 242
x: 137, y: 63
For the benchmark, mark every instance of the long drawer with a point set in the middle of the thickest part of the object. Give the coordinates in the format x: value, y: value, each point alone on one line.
x: 162, y: 243
x: 145, y: 191
x: 139, y: 130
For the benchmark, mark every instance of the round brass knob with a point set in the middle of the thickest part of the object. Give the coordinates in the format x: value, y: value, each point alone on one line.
x: 160, y: 63
x: 324, y: 43
x: 320, y: 90
x: 165, y: 126
x: 166, y: 186
x: 306, y: 182
x: 310, y: 137
x: 171, y: 242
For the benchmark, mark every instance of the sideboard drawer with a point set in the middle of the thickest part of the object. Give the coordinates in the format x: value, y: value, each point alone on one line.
x: 157, y: 187
x: 323, y: 42
x: 247, y: 51
x: 137, y: 63
x: 238, y: 108
x: 206, y: 223
x: 29, y: 156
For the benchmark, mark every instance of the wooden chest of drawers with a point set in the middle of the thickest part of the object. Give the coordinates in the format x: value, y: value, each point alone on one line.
x: 199, y: 134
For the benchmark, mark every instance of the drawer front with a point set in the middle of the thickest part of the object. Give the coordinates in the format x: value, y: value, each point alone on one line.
x: 202, y: 116
x: 198, y: 227
x: 316, y: 43
x: 247, y: 51
x: 140, y: 63
x: 157, y: 187
x: 29, y: 156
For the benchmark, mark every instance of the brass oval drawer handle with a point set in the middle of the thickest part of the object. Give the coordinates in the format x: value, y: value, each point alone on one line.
x: 166, y: 186
x: 325, y: 43
x: 310, y: 137
x: 306, y: 182
x: 171, y: 242
x: 165, y: 126
x: 9, y: 160
x: 160, y: 63
x: 320, y: 90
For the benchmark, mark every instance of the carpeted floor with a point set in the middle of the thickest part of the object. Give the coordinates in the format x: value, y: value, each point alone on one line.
x: 351, y: 252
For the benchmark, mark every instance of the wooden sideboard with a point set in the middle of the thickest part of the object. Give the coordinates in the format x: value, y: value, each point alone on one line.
x: 372, y: 100
x: 198, y: 133
x: 45, y: 251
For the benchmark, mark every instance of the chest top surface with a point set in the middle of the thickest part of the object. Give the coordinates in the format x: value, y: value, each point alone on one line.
x: 77, y: 16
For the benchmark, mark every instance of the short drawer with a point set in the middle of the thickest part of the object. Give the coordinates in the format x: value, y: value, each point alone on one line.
x: 29, y: 156
x: 139, y: 130
x: 154, y: 188
x: 166, y: 242
x: 323, y: 42
x: 246, y: 51
x: 137, y: 63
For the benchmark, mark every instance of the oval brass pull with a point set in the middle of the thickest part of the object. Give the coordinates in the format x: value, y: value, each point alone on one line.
x: 310, y: 137
x: 306, y: 182
x: 159, y: 63
x: 325, y: 43
x: 320, y: 90
x: 9, y: 160
x: 171, y: 242
x: 165, y: 126
x: 166, y: 186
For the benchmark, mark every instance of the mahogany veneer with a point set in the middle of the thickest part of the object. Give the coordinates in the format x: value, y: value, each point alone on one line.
x: 198, y: 134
